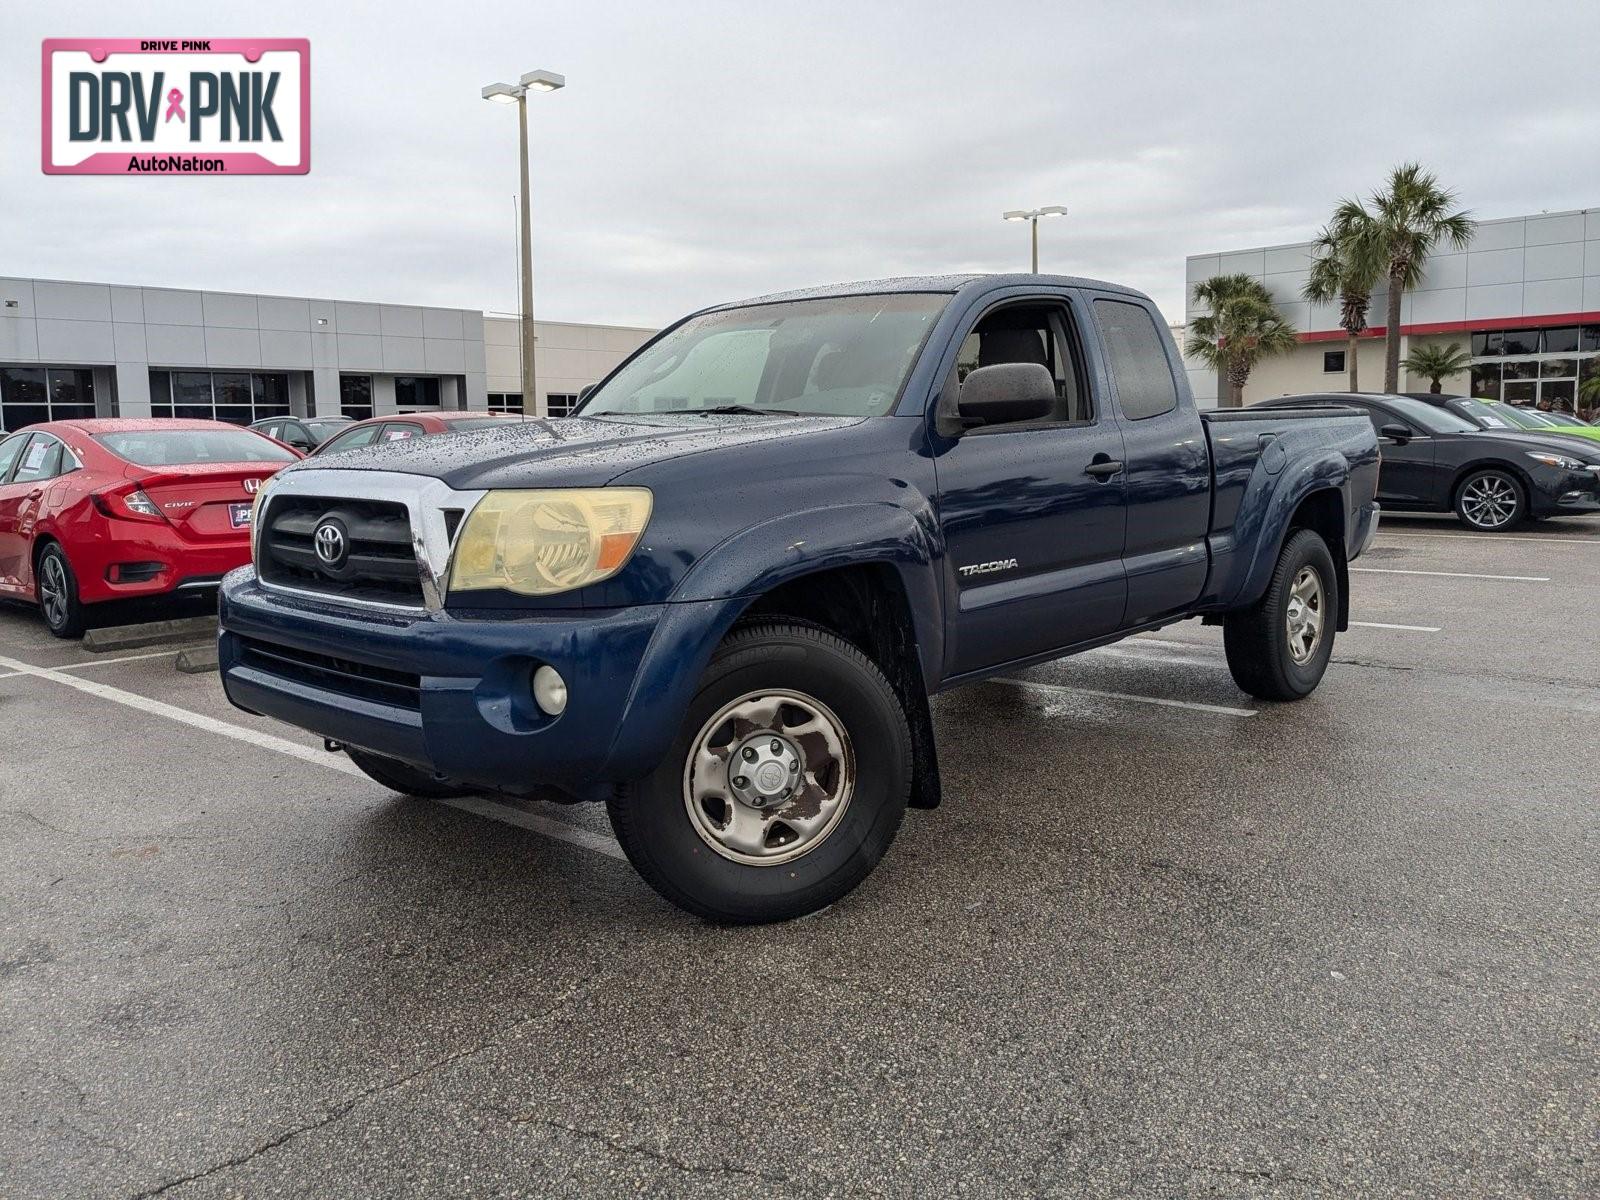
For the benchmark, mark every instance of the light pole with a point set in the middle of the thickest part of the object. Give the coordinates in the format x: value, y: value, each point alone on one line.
x: 507, y: 93
x: 1032, y: 216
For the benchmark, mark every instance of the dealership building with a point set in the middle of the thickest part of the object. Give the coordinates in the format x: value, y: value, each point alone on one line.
x: 1523, y: 300
x: 70, y: 349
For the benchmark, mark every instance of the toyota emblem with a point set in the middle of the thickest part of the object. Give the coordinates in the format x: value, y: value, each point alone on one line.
x: 329, y: 542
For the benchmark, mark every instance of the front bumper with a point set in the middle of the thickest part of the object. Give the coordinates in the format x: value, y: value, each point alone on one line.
x: 451, y: 691
x: 1557, y: 491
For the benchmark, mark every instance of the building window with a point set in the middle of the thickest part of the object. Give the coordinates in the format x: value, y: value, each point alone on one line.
x: 355, y: 396
x: 1520, y: 341
x: 560, y: 404
x: 1561, y: 341
x: 416, y: 391
x: 29, y: 395
x: 238, y: 397
x: 1486, y: 380
x: 505, y: 402
x: 1333, y: 362
x: 1535, y: 367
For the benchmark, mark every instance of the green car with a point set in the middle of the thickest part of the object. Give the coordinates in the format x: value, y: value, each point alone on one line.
x: 1496, y: 414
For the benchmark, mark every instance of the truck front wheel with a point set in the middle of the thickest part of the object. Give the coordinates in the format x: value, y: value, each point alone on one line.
x: 785, y: 785
x: 1279, y: 648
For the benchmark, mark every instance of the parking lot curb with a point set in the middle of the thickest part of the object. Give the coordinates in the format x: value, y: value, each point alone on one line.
x: 197, y: 660
x: 149, y: 633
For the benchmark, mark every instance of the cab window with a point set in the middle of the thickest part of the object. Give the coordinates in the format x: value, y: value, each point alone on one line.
x: 1138, y: 358
x: 1031, y: 333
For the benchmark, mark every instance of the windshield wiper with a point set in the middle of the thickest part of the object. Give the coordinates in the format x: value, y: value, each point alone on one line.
x: 734, y: 410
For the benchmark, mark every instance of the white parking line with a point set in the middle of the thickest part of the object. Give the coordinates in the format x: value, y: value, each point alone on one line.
x: 1451, y: 574
x: 1047, y: 689
x: 334, y: 762
x: 1497, y: 537
x: 1155, y: 657
x: 100, y: 662
x: 1407, y: 628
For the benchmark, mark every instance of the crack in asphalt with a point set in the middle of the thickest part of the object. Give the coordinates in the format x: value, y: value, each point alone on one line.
x: 1259, y: 1175
x: 618, y: 1146
x: 340, y: 1111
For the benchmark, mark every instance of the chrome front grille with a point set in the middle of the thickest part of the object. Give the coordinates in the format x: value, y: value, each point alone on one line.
x: 365, y: 538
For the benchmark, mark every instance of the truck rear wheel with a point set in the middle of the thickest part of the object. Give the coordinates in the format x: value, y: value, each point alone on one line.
x: 404, y: 778
x: 785, y: 785
x: 1279, y: 649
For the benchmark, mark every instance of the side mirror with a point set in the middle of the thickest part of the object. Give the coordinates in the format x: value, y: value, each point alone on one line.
x: 1399, y: 433
x: 1006, y: 392
x: 583, y: 392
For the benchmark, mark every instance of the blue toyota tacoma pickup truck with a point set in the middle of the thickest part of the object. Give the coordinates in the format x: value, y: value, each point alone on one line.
x: 719, y: 596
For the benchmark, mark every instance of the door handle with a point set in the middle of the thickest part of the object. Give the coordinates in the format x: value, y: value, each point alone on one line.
x: 35, y: 494
x: 1104, y: 470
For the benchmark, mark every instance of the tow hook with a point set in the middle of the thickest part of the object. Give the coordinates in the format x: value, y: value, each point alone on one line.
x: 332, y: 747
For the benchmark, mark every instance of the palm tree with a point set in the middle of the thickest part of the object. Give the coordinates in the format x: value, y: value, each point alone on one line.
x: 1242, y: 328
x: 1437, y: 363
x: 1589, y: 397
x: 1347, y: 262
x: 1412, y: 217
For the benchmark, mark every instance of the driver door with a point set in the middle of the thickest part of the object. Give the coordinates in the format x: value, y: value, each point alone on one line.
x: 1407, y: 476
x: 1033, y: 512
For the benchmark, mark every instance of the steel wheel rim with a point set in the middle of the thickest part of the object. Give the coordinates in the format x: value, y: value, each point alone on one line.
x: 1489, y: 501
x: 53, y: 590
x: 1304, y: 619
x: 731, y: 787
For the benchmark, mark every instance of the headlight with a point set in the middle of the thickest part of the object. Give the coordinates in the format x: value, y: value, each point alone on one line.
x: 1557, y: 460
x: 538, y: 543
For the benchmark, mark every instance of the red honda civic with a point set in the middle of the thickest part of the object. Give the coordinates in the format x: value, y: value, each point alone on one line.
x: 104, y: 509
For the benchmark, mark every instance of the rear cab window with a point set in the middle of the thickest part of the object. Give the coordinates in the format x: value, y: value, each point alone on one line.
x: 1137, y: 355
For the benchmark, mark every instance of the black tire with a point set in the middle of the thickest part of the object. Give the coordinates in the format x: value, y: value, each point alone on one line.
x: 652, y: 818
x: 57, y: 590
x: 1257, y: 639
x: 1476, y: 508
x: 404, y: 778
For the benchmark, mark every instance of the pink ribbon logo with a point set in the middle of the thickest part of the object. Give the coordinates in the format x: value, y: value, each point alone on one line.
x: 175, y: 106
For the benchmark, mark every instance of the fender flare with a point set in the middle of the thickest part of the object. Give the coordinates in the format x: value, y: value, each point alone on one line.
x: 715, y: 592
x: 1324, y: 472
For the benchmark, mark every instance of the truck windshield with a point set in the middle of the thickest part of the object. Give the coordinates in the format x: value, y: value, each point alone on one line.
x: 844, y: 356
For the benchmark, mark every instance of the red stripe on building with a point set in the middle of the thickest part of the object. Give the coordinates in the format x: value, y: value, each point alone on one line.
x: 1488, y: 323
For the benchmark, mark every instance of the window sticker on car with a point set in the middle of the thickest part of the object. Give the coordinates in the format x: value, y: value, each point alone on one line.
x: 34, y: 457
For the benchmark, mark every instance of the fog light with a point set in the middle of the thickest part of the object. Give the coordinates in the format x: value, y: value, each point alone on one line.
x: 550, y: 691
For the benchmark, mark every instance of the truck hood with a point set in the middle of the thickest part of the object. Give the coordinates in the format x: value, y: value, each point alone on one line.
x: 569, y: 451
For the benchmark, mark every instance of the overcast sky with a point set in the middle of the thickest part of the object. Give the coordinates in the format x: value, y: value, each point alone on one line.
x: 707, y: 151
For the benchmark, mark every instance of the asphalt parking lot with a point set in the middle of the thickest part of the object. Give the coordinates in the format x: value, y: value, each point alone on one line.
x: 1160, y: 940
